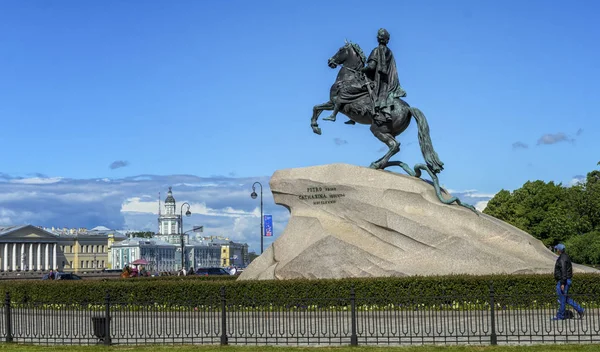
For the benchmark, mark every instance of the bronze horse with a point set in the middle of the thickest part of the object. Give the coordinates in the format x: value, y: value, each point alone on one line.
x: 360, y: 110
x: 352, y: 97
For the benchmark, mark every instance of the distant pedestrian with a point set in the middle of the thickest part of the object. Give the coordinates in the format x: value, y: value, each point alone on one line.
x: 563, y: 273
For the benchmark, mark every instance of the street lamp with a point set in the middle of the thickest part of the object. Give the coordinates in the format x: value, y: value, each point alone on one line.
x: 187, y: 213
x: 254, y: 195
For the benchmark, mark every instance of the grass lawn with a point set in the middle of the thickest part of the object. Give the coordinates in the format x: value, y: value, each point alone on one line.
x: 170, y: 348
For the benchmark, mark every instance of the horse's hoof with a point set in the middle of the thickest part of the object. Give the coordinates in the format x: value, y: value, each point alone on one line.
x: 316, y: 130
x: 374, y: 165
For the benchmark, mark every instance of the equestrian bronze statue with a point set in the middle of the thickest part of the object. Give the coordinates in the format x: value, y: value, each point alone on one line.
x: 368, y: 91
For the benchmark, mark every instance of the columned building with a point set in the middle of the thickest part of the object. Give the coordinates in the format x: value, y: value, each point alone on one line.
x: 27, y: 248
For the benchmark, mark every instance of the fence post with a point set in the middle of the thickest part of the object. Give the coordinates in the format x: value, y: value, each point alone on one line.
x: 493, y: 337
x: 223, y: 317
x: 353, y: 336
x: 8, y: 319
x: 107, y: 319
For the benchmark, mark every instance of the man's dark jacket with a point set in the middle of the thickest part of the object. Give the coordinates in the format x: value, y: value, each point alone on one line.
x: 563, y: 269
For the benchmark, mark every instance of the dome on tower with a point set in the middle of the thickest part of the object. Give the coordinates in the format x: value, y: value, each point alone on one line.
x: 170, y: 198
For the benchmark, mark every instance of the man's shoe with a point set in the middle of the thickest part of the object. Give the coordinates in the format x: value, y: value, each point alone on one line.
x: 581, y: 314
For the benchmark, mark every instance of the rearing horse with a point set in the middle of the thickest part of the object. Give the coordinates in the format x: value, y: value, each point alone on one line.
x: 353, y: 99
x: 360, y: 110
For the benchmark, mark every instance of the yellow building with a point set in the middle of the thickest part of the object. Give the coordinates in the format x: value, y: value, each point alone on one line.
x: 85, y: 250
x: 232, y: 253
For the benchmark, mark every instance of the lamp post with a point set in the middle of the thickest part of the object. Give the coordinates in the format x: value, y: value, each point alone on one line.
x: 254, y: 195
x: 187, y: 213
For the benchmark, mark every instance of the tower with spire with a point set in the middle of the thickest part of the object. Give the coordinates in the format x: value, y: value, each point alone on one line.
x: 169, y: 220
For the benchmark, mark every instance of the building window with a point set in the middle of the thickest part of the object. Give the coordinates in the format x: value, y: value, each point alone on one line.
x: 103, y: 263
x: 81, y: 264
x: 87, y: 264
x: 63, y: 264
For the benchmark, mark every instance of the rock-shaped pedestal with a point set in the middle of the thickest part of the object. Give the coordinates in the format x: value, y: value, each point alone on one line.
x: 351, y: 221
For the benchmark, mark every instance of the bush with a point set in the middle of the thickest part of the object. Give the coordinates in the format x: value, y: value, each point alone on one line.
x: 380, y: 291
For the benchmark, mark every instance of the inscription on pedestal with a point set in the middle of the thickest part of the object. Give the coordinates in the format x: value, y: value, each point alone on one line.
x: 322, y: 195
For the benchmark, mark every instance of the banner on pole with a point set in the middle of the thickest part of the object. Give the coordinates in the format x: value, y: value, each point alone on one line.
x: 268, y: 220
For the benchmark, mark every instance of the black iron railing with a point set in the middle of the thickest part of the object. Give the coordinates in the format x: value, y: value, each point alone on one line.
x: 352, y: 320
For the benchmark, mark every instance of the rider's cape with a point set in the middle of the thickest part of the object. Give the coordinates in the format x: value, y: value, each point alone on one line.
x: 387, y: 85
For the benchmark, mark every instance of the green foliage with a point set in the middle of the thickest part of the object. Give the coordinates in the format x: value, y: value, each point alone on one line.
x: 143, y: 234
x: 585, y: 248
x: 553, y: 213
x: 433, y: 290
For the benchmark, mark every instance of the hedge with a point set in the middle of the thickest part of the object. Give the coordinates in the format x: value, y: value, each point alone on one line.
x: 382, y: 291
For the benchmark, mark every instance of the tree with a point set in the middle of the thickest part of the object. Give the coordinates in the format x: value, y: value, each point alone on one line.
x: 553, y: 213
x: 585, y: 249
x: 537, y: 208
x: 144, y: 234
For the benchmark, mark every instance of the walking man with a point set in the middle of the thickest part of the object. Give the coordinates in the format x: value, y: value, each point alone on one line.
x: 563, y: 273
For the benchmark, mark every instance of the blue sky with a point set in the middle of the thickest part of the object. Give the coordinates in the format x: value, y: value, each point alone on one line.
x: 225, y: 89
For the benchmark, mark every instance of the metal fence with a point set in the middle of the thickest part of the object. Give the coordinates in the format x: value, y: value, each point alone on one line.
x: 352, y: 320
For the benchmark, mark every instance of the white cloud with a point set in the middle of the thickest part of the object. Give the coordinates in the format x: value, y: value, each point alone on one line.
x: 481, y: 205
x: 37, y: 180
x: 208, y: 184
x: 452, y: 191
x: 577, y: 180
x: 134, y: 205
x: 472, y: 193
x: 19, y: 195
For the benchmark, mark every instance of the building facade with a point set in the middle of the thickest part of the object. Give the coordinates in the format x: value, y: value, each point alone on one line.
x: 161, y: 256
x: 169, y: 222
x: 33, y: 248
x: 85, y: 250
x: 28, y: 248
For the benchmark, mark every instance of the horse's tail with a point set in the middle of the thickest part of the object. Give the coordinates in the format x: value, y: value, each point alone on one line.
x: 430, y: 156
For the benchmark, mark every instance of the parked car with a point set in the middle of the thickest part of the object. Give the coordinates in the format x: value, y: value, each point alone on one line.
x: 67, y: 276
x: 61, y: 276
x: 212, y: 271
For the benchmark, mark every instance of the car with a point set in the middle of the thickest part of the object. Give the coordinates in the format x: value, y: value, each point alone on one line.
x: 212, y: 271
x: 67, y: 276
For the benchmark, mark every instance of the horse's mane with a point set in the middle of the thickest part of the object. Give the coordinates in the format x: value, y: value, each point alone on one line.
x: 359, y: 51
